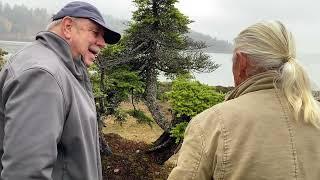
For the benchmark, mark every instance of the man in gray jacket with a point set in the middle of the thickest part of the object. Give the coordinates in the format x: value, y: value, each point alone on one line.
x: 48, y: 125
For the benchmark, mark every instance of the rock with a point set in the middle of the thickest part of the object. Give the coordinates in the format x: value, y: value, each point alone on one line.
x: 116, y: 170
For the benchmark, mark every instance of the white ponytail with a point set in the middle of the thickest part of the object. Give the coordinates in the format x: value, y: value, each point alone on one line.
x: 270, y: 46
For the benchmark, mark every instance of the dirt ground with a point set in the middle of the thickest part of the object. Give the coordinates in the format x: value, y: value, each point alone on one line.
x: 128, y: 143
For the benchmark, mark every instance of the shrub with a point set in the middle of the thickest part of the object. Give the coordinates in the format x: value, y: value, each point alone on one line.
x: 178, y: 131
x: 2, y: 60
x: 120, y: 115
x: 188, y: 98
x: 140, y: 116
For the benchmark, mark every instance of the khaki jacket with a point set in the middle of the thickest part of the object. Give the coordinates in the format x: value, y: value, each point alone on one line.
x: 251, y: 136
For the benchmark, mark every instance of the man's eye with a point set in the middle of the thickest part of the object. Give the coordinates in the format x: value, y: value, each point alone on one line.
x: 96, y: 33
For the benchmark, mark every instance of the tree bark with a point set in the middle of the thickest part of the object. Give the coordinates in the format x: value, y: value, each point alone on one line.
x: 165, y: 146
x: 151, y: 97
x: 101, y: 109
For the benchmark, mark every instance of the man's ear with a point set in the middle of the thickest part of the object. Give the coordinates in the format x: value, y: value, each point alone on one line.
x: 66, y: 27
x: 242, y: 63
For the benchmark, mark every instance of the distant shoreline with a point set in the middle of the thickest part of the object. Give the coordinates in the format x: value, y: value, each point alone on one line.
x: 14, y: 41
x: 21, y: 43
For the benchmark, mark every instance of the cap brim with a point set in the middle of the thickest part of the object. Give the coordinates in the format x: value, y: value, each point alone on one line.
x: 110, y: 36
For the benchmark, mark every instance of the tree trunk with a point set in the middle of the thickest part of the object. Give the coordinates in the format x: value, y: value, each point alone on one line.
x: 132, y: 101
x: 166, y: 146
x: 151, y: 98
x: 101, y: 109
x: 104, y: 147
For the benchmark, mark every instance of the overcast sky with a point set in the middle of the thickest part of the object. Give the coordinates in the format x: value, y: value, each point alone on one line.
x: 224, y: 19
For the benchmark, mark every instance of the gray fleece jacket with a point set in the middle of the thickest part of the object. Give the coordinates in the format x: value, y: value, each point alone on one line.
x: 48, y: 125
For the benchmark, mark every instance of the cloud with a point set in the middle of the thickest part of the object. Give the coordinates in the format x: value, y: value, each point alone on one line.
x: 301, y: 17
x: 223, y: 18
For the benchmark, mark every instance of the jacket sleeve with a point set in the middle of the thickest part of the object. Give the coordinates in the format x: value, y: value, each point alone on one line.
x: 197, y: 156
x: 33, y: 123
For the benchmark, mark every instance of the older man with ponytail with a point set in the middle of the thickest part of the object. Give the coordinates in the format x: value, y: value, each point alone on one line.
x: 269, y: 125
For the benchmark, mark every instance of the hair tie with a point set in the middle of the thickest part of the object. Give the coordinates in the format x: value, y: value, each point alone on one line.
x: 288, y: 58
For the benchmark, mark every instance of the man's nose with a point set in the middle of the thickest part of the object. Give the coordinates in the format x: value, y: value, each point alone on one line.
x: 100, y: 42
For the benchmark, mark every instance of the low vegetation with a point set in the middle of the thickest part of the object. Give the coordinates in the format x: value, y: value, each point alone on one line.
x: 2, y: 60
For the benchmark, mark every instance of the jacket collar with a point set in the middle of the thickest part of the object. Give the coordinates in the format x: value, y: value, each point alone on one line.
x: 261, y: 81
x: 63, y: 50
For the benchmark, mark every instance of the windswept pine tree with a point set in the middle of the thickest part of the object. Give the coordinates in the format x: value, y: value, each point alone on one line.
x: 157, y: 42
x: 159, y: 31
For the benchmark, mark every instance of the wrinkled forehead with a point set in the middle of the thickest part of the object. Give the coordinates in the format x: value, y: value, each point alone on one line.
x: 90, y: 24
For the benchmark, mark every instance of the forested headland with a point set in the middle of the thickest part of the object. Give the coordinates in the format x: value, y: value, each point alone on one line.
x: 20, y: 23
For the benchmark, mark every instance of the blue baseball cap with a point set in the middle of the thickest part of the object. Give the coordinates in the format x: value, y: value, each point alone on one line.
x: 81, y: 9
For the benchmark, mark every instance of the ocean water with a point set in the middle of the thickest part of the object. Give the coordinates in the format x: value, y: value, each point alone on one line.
x: 223, y: 75
x: 12, y: 46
